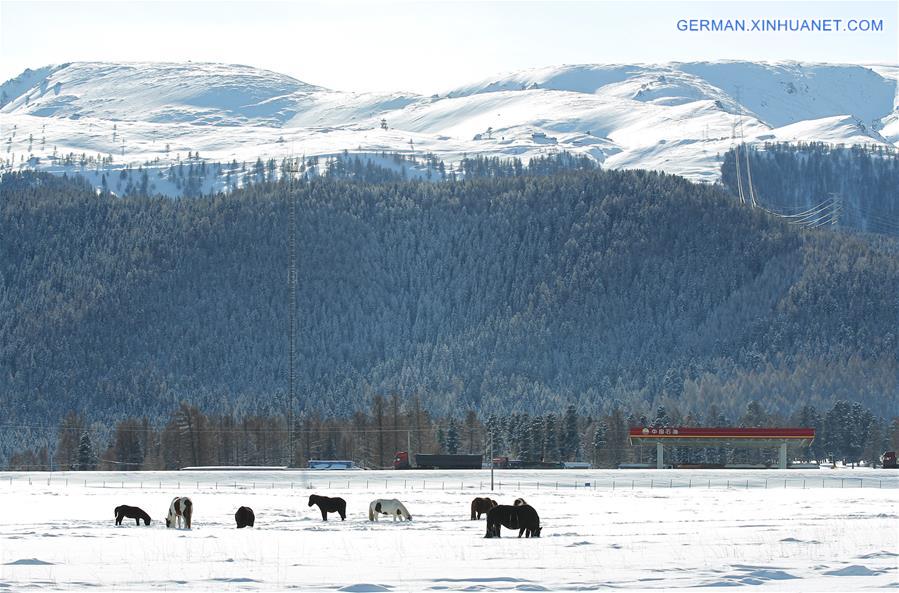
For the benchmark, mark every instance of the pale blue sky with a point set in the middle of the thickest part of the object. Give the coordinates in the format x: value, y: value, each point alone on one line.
x: 420, y: 46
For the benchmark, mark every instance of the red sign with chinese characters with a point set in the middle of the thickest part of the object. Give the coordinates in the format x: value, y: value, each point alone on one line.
x: 722, y: 433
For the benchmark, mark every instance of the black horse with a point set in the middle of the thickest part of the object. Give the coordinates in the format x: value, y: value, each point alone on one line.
x: 522, y: 517
x: 329, y: 505
x: 244, y: 517
x: 135, y: 513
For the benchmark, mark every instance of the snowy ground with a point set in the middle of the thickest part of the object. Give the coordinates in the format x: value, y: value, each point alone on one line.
x: 821, y: 530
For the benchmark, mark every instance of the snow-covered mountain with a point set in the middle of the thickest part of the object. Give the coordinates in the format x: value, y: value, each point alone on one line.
x: 678, y: 117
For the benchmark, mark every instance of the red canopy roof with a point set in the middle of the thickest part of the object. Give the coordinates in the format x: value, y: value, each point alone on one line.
x: 718, y: 433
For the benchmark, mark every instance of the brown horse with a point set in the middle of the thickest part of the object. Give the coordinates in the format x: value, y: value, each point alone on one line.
x: 480, y: 506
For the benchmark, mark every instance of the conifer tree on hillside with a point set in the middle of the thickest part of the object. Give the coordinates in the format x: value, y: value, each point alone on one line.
x: 599, y: 441
x: 452, y: 437
x: 472, y: 428
x: 525, y: 440
x: 661, y: 419
x: 550, y: 437
x: 503, y: 294
x: 87, y: 458
x: 537, y: 437
x: 495, y: 441
x: 570, y: 437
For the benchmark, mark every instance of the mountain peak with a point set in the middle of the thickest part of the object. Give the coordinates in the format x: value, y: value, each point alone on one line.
x: 191, y: 92
x: 676, y: 117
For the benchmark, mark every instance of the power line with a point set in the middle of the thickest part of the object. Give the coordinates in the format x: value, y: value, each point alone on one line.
x: 236, y: 430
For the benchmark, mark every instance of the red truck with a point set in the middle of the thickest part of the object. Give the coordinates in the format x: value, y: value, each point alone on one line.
x: 889, y: 460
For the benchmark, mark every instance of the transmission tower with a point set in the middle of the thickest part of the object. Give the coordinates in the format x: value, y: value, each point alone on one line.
x: 290, y: 170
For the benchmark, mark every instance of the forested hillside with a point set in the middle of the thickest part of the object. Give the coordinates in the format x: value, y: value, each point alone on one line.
x: 861, y: 182
x: 499, y: 295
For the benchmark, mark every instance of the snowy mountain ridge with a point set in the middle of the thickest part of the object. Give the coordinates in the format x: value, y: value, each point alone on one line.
x: 677, y: 117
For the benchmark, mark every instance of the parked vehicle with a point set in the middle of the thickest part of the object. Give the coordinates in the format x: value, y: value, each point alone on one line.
x: 331, y: 464
x: 888, y: 459
x: 427, y: 461
x: 506, y: 463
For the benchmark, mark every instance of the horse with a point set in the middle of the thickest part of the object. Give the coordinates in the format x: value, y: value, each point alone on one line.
x: 181, y: 509
x: 244, y: 517
x: 480, y: 506
x: 329, y: 505
x: 521, y: 517
x: 135, y: 513
x: 388, y: 506
x: 519, y: 502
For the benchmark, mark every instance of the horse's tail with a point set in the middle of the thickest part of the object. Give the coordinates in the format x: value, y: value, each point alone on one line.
x: 371, y: 511
x: 474, y: 508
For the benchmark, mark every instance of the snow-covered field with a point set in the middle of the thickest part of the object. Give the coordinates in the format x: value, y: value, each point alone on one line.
x: 815, y: 530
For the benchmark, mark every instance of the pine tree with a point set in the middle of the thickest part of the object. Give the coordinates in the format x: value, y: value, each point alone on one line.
x: 755, y: 416
x: 87, y: 459
x: 599, y: 441
x: 537, y: 439
x: 808, y: 417
x: 570, y: 440
x: 70, y: 430
x: 550, y: 437
x: 512, y: 436
x: 471, y: 431
x: 617, y: 435
x: 661, y: 420
x: 525, y: 442
x: 495, y: 444
x: 452, y: 437
x: 859, y: 427
x: 836, y: 430
x: 441, y: 439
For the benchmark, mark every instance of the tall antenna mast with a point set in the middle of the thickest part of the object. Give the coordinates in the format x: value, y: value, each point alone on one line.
x: 292, y: 302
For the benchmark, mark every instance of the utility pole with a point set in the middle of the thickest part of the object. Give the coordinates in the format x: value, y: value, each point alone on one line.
x: 491, y: 460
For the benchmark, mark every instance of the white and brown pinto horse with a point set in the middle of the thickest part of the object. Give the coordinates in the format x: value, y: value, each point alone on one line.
x: 181, y: 509
x: 388, y: 506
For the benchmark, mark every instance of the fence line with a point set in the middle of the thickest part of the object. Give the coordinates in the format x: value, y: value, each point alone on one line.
x: 397, y: 484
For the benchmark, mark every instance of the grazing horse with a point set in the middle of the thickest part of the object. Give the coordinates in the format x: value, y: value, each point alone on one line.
x: 522, y: 517
x: 388, y: 506
x: 135, y: 513
x: 329, y: 505
x: 519, y: 502
x: 480, y: 506
x: 181, y: 509
x: 244, y: 517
